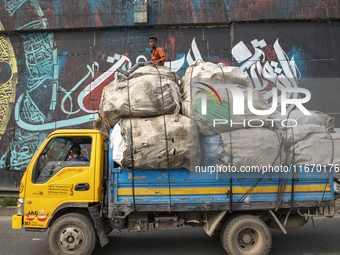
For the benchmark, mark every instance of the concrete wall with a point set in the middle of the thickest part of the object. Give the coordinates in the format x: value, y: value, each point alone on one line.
x: 108, y: 13
x: 53, y: 78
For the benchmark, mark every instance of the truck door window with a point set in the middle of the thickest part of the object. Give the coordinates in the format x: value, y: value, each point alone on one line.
x: 55, y: 156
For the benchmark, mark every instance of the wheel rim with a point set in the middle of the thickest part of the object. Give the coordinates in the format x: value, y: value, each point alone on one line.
x: 71, y: 239
x: 248, y: 240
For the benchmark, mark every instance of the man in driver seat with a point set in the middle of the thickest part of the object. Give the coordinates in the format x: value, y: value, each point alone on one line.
x: 75, y: 154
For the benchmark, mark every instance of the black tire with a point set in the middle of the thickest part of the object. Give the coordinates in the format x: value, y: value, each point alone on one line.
x: 226, y: 222
x: 245, y: 234
x: 73, y: 234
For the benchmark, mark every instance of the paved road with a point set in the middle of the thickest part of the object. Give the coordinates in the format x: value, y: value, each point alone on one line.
x: 324, y: 239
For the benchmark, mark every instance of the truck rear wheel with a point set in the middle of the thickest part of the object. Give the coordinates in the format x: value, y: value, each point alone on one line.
x: 73, y: 233
x: 245, y: 234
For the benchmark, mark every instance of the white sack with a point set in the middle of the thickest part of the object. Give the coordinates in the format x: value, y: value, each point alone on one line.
x: 206, y: 122
x: 149, y: 144
x: 200, y: 70
x: 212, y: 75
x: 163, y: 71
x: 117, y: 144
x: 295, y: 134
x: 145, y: 99
x: 316, y: 149
x: 298, y: 116
x: 302, y: 127
x: 253, y: 147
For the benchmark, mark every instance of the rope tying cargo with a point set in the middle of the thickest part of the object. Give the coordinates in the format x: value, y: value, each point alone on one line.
x: 166, y: 139
x: 244, y: 196
x: 231, y: 146
x: 178, y: 103
x: 282, y: 183
x: 132, y: 159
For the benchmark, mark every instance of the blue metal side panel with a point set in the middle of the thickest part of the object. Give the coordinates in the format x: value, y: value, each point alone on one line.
x: 150, y: 181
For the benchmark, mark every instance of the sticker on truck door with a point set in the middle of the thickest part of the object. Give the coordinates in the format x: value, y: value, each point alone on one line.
x: 60, y: 189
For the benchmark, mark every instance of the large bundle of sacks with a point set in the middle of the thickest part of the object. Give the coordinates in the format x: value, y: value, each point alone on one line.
x: 298, y: 126
x: 232, y: 142
x: 150, y: 143
x: 157, y: 141
x: 252, y: 147
x: 145, y: 97
x: 202, y: 76
x: 210, y: 72
x: 311, y: 141
x: 185, y: 137
x: 321, y: 149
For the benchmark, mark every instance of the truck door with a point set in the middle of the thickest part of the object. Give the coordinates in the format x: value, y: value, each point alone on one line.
x: 56, y: 180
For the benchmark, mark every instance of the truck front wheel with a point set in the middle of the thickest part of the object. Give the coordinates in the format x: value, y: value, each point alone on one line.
x: 245, y: 234
x: 73, y: 233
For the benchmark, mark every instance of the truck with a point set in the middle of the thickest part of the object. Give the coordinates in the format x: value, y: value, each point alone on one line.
x: 81, y: 202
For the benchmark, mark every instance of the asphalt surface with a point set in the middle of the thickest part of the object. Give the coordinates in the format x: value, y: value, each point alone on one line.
x: 323, y: 239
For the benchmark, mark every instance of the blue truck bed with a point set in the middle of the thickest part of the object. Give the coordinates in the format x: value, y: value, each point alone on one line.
x: 188, y: 191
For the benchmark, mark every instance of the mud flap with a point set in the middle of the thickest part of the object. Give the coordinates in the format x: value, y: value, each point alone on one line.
x: 211, y: 224
x: 98, y: 223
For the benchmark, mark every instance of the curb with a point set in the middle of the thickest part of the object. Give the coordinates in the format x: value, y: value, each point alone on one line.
x: 8, y: 211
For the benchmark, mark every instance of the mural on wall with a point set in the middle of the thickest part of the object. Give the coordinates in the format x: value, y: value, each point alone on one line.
x: 39, y: 86
x: 60, y: 75
x: 8, y: 80
x: 73, y: 104
x: 268, y: 66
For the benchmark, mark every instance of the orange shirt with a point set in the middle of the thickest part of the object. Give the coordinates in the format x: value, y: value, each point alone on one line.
x: 158, y: 55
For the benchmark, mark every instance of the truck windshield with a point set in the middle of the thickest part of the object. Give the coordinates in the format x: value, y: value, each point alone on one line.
x: 56, y: 155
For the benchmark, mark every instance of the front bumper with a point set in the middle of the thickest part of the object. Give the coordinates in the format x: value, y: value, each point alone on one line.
x: 17, y: 221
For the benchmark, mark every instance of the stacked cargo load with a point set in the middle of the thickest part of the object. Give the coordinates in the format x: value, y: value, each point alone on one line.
x: 148, y: 132
x: 248, y: 139
x: 158, y: 124
x: 228, y: 139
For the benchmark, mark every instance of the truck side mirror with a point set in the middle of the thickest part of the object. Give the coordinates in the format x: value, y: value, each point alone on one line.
x: 8, y: 160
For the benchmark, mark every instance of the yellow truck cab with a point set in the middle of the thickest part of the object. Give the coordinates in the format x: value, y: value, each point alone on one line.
x: 53, y: 185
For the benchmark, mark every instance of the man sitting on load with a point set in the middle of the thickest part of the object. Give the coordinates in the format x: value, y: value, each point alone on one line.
x: 157, y: 57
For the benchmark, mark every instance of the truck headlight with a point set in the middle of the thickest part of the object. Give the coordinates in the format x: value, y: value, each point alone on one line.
x: 20, y: 206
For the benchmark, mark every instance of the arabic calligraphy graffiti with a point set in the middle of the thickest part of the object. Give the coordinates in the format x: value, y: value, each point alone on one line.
x: 12, y: 5
x: 23, y: 147
x: 40, y: 59
x: 263, y: 68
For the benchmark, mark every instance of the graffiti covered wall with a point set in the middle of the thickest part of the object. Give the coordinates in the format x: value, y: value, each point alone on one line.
x: 51, y: 80
x: 108, y: 13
